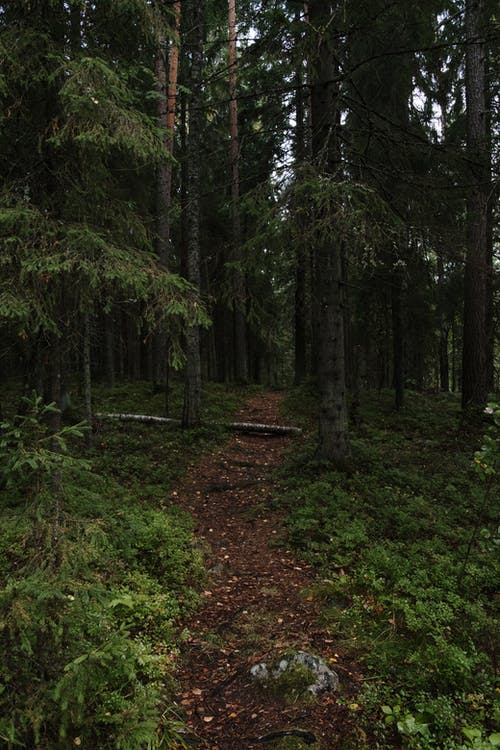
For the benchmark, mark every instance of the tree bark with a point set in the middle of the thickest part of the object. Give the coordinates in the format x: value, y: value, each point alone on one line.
x: 490, y: 220
x: 239, y: 291
x: 333, y: 419
x: 474, y: 385
x: 300, y: 307
x: 397, y: 337
x: 55, y: 379
x: 300, y: 315
x: 192, y: 389
x: 87, y: 378
x: 444, y: 330
x: 167, y: 90
x: 109, y: 349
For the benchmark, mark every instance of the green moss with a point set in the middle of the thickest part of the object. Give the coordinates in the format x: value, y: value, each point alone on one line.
x: 291, y: 685
x: 94, y: 582
x: 405, y: 549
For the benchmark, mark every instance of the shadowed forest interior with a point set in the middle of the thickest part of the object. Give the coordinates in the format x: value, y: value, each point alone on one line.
x: 219, y: 213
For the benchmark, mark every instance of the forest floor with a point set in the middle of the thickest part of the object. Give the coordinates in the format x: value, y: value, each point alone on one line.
x: 257, y: 605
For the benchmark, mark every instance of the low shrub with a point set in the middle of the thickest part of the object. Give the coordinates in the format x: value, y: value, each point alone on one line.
x: 93, y: 586
x: 407, y: 558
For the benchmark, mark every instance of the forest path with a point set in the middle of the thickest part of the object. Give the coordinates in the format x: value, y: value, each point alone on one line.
x: 257, y: 604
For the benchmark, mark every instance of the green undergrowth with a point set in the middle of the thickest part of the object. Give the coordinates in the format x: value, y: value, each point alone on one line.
x: 406, y: 550
x: 97, y: 571
x: 147, y: 458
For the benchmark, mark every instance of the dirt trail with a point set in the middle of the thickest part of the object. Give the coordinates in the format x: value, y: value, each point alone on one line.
x: 257, y: 604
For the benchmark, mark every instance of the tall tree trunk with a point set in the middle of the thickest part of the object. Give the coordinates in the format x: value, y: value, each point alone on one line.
x: 300, y: 307
x: 333, y: 419
x: 444, y: 325
x: 183, y: 264
x: 490, y: 286
x: 474, y: 385
x: 192, y: 389
x: 239, y: 291
x: 167, y: 90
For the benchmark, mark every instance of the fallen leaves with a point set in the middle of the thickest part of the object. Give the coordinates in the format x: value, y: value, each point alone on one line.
x: 257, y: 608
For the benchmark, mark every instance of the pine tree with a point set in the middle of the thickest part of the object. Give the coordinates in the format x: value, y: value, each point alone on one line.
x: 192, y: 389
x: 474, y: 376
x: 74, y: 218
x: 328, y: 281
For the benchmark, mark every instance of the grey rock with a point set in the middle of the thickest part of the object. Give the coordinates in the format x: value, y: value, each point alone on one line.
x: 323, y: 679
x: 260, y: 672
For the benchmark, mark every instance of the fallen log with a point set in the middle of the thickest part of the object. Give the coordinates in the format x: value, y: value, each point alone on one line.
x: 272, y: 429
x: 144, y: 418
x: 249, y: 427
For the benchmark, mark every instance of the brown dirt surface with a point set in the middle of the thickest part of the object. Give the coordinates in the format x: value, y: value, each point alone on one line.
x: 257, y: 604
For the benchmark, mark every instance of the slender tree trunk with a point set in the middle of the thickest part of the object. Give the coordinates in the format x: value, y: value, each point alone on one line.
x: 122, y: 338
x: 314, y: 315
x: 87, y: 378
x: 109, y: 349
x: 312, y: 310
x: 300, y: 308
x: 55, y: 379
x: 184, y: 174
x: 346, y: 309
x: 162, y: 192
x: 444, y: 326
x: 209, y: 335
x: 167, y: 90
x: 240, y: 332
x: 192, y: 389
x: 300, y: 314
x: 333, y: 420
x: 444, y: 367
x: 453, y: 356
x: 490, y: 287
x: 397, y: 337
x: 474, y: 385
x: 444, y: 329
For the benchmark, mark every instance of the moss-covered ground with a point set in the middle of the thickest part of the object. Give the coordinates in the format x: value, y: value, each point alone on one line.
x: 406, y: 551
x: 96, y: 572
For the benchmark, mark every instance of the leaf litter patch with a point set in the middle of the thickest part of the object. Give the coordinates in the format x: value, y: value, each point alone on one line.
x: 254, y: 608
